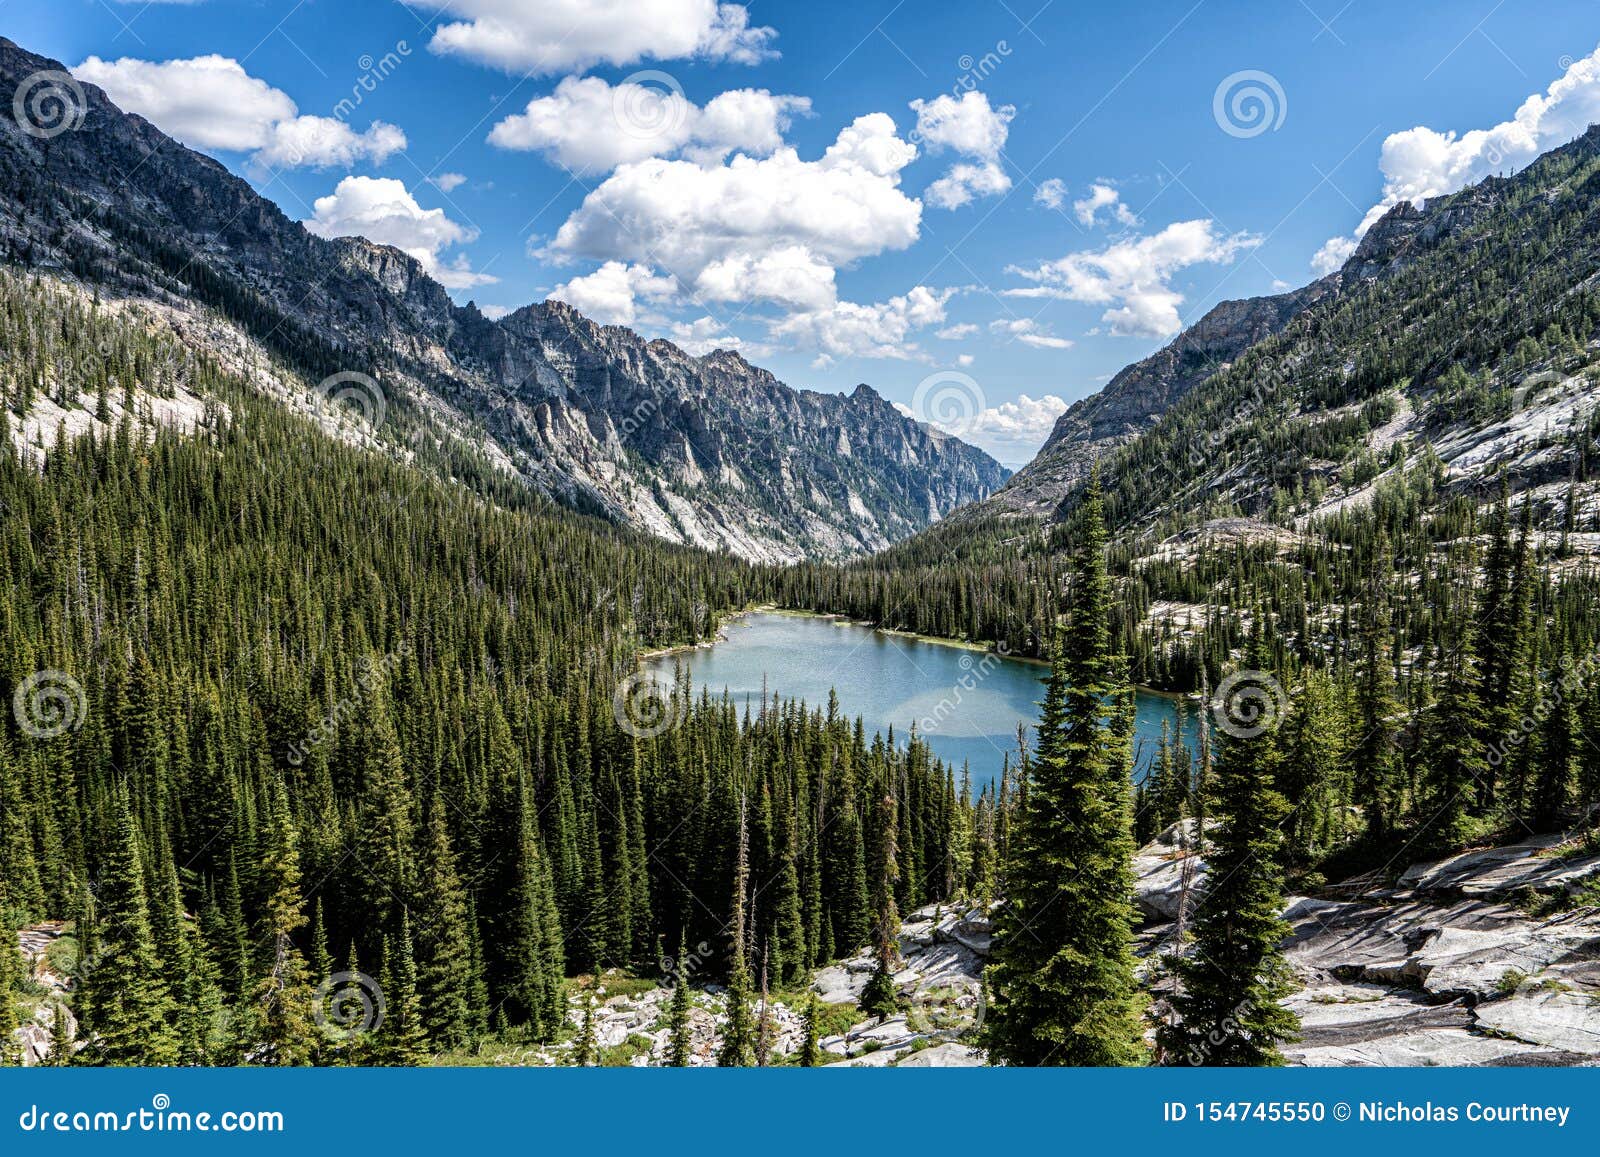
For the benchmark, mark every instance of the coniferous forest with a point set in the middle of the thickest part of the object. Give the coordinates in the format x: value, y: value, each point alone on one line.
x: 309, y: 713
x: 325, y: 745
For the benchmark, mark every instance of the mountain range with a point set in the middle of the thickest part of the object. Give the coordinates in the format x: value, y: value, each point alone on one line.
x: 1279, y: 408
x: 708, y: 451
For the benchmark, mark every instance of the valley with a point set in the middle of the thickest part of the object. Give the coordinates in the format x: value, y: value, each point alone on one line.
x: 394, y: 685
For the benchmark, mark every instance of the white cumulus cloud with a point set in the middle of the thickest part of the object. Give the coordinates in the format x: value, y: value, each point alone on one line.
x: 1421, y: 163
x: 963, y: 182
x: 321, y: 142
x: 1134, y: 277
x: 1103, y: 197
x: 590, y: 126
x: 381, y: 209
x: 211, y: 102
x: 609, y: 294
x: 754, y: 229
x: 973, y: 129
x: 1052, y: 193
x: 551, y: 36
x: 877, y: 330
x: 1014, y: 431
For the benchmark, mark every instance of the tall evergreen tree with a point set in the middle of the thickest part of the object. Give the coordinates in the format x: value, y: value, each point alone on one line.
x: 283, y: 996
x: 1233, y: 978
x: 739, y: 1031
x: 880, y: 997
x: 680, y: 1046
x: 1062, y: 975
x: 122, y: 986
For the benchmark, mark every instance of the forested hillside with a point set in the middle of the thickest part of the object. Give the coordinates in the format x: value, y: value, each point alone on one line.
x: 708, y: 451
x: 284, y: 708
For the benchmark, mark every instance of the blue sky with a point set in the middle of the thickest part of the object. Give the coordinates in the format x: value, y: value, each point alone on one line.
x: 982, y: 209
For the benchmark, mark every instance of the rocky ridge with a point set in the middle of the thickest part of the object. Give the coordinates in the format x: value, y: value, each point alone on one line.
x: 709, y: 451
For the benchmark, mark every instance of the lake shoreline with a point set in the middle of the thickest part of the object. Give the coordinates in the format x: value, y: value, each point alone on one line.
x: 868, y: 624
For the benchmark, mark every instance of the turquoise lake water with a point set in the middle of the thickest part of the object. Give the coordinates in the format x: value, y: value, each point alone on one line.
x: 967, y: 704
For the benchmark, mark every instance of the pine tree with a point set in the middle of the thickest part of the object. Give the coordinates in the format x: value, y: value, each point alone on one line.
x: 681, y: 1039
x: 1375, y: 756
x: 738, y: 1032
x: 1234, y: 976
x: 810, y: 1052
x: 588, y: 1049
x: 443, y: 951
x: 283, y: 1000
x: 1456, y: 762
x: 1062, y: 975
x: 12, y: 972
x: 880, y: 998
x: 61, y: 1052
x: 1556, y: 754
x: 123, y: 988
x: 403, y: 1040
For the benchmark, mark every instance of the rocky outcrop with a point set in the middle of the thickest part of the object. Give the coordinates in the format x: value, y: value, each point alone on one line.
x: 38, y: 1022
x: 708, y: 451
x: 1440, y: 967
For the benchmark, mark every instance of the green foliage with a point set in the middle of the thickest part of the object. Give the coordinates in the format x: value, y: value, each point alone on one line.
x: 300, y: 658
x: 1062, y: 982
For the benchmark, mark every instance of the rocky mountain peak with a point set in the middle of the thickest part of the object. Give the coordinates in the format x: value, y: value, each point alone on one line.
x: 709, y: 451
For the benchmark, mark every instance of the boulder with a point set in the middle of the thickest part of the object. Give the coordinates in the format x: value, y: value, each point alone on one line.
x: 1553, y: 1017
x: 949, y: 1055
